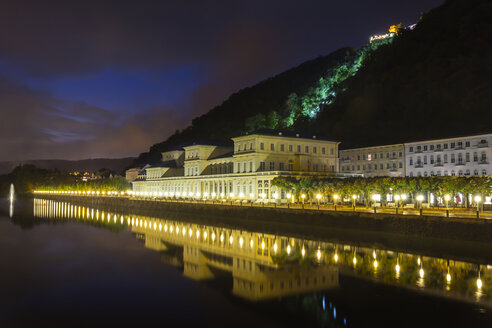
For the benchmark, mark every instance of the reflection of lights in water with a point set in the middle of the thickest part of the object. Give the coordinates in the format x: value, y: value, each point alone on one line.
x: 165, y: 228
x: 374, y: 254
x: 241, y: 242
x: 183, y: 229
x: 421, y: 273
x: 275, y: 247
x: 324, y: 303
x: 177, y: 230
x: 231, y: 240
x: 213, y: 236
x: 160, y: 226
x: 336, y: 257
x: 171, y: 228
x: 334, y: 312
x: 205, y: 235
x: 190, y: 232
x: 303, y: 251
x: 197, y: 233
x: 222, y: 238
x: 354, y: 260
x: 262, y: 244
x: 318, y: 255
x: 375, y: 264
x: 251, y: 243
x: 418, y: 260
x: 479, y: 283
x: 288, y: 250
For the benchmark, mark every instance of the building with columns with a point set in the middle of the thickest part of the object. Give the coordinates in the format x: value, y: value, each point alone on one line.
x: 244, y: 171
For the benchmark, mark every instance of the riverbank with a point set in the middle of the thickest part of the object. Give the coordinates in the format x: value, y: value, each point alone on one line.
x: 466, y: 239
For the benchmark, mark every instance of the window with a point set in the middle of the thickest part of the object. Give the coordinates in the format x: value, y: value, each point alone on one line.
x: 467, y: 157
x: 445, y: 146
x: 272, y: 147
x: 323, y: 150
x: 484, y: 172
x: 291, y: 165
x: 244, y: 166
x: 438, y: 146
x: 467, y: 144
x: 483, y: 157
x: 452, y: 158
x: 331, y: 151
x: 425, y: 147
x: 250, y: 166
x: 475, y: 157
x: 431, y: 159
x: 375, y: 166
x: 290, y: 148
x: 431, y: 147
x: 460, y: 144
x: 410, y: 149
x: 364, y: 167
x: 306, y: 149
x: 381, y: 155
x: 262, y: 166
x: 358, y: 157
x: 400, y: 154
x: 475, y: 172
x: 358, y: 167
x: 445, y: 158
x: 381, y: 166
x: 281, y: 166
x: 251, y: 146
x: 282, y: 147
x: 272, y: 166
x: 452, y: 146
x: 419, y: 148
x: 387, y: 165
x: 314, y: 150
x: 387, y: 155
x: 400, y: 164
x: 375, y: 155
x: 239, y: 147
x: 425, y: 159
x: 262, y: 146
x: 411, y: 161
x: 460, y: 158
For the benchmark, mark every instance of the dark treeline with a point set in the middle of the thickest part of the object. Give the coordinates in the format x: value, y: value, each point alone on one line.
x: 27, y: 178
x: 364, y: 188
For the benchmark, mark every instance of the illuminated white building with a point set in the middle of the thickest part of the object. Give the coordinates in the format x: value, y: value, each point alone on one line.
x: 452, y: 156
x: 244, y: 171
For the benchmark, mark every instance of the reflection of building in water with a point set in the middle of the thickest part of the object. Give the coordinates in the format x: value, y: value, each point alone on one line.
x: 250, y: 257
x: 266, y: 265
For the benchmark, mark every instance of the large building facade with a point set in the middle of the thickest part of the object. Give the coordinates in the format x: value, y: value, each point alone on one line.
x: 469, y: 155
x: 388, y: 160
x: 452, y: 156
x: 244, y: 171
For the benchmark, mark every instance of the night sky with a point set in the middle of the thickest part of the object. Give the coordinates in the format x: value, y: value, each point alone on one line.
x: 108, y: 79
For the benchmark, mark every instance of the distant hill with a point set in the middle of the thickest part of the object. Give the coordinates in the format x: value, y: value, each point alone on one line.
x: 430, y: 82
x: 117, y: 165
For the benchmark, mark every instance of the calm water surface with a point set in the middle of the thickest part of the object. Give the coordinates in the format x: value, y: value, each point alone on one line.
x: 67, y: 265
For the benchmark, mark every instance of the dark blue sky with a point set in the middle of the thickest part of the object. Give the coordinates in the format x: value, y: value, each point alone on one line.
x: 82, y: 79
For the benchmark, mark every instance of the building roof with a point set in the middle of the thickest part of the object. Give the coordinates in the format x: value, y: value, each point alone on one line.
x: 284, y: 133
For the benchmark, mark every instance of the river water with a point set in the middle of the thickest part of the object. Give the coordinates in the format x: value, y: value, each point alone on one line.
x: 66, y: 265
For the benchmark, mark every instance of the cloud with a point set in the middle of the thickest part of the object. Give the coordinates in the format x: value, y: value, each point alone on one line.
x: 37, y: 126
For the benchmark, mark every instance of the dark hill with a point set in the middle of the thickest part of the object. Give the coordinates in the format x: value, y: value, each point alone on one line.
x: 432, y: 82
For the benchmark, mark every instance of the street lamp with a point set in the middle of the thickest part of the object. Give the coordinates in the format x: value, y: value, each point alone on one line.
x: 375, y: 198
x: 447, y: 198
x: 420, y: 198
x: 303, y: 196
x: 397, y: 198
x: 354, y: 197
x: 335, y: 199
x: 478, y: 199
x: 318, y: 197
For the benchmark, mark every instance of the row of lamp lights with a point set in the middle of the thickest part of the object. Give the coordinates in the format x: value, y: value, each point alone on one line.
x: 88, y: 192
